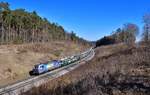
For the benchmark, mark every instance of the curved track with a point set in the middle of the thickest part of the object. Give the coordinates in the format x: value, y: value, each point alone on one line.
x: 27, y: 84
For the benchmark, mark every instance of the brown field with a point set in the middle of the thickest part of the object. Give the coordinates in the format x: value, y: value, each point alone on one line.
x: 17, y: 60
x: 115, y: 70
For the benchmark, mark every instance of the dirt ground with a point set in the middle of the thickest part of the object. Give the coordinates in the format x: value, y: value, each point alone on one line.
x: 115, y: 70
x: 17, y: 60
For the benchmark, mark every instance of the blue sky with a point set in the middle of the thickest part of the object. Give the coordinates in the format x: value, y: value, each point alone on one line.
x: 90, y: 19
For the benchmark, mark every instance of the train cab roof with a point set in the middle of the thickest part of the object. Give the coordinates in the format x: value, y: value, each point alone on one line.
x: 37, y: 66
x: 54, y: 61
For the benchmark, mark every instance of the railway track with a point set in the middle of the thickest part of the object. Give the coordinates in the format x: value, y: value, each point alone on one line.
x: 27, y: 84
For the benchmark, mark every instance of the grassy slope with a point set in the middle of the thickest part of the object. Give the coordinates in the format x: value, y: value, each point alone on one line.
x: 115, y: 70
x: 17, y: 60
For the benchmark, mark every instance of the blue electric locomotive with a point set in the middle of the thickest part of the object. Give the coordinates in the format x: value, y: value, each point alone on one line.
x: 45, y: 67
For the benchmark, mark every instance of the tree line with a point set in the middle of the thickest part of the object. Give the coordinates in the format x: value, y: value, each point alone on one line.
x: 128, y: 33
x: 20, y: 26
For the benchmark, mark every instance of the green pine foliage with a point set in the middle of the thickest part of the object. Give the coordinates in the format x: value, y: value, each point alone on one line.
x: 20, y: 26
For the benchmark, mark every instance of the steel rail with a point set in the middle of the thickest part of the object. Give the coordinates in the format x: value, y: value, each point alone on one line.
x: 27, y: 84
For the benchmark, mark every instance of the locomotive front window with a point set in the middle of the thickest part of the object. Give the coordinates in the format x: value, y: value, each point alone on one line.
x: 41, y: 67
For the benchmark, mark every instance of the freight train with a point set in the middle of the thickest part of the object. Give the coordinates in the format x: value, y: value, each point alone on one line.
x: 54, y: 64
x: 51, y: 65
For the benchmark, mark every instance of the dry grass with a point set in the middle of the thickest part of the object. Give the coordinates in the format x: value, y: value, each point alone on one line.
x: 17, y: 60
x: 115, y: 70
